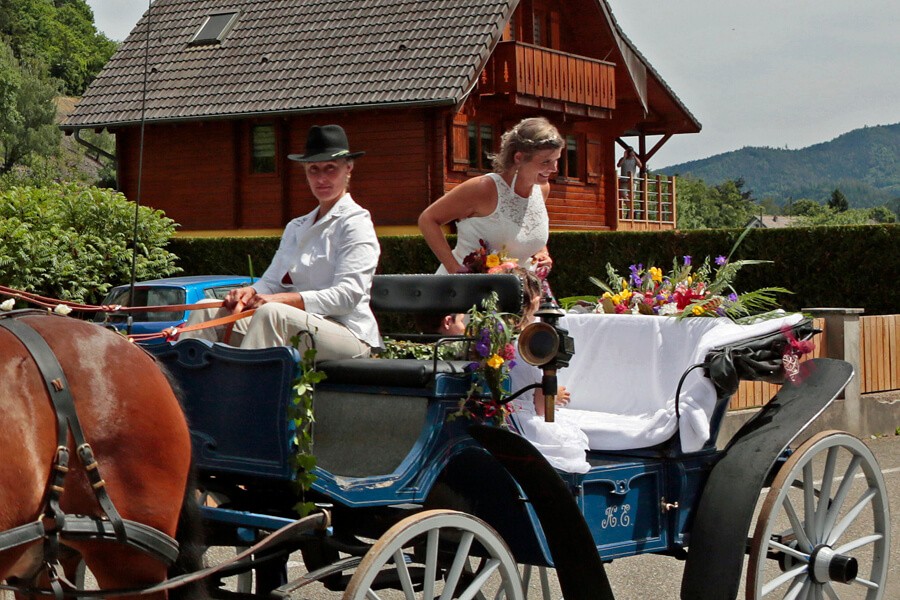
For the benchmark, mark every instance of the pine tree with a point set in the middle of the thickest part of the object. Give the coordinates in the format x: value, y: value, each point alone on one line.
x: 838, y: 202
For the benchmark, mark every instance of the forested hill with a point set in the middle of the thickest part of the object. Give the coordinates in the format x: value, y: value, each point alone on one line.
x: 864, y: 164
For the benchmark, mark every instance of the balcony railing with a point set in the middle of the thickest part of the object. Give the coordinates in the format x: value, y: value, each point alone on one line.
x: 517, y: 68
x: 647, y: 200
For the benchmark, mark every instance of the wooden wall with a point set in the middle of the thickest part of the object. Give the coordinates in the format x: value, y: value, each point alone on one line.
x: 188, y: 171
x: 199, y: 173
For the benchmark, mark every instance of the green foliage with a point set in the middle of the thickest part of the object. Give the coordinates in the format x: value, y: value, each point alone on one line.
x: 829, y: 216
x: 864, y: 164
x: 27, y: 113
x: 804, y: 208
x: 704, y: 207
x: 74, y: 243
x: 421, y: 350
x: 838, y: 201
x: 59, y: 35
x: 882, y: 214
x: 300, y: 413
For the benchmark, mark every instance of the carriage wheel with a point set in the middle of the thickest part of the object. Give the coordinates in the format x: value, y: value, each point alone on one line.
x: 437, y: 554
x: 824, y: 528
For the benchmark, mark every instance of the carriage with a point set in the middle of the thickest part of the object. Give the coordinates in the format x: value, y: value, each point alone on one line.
x: 416, y: 504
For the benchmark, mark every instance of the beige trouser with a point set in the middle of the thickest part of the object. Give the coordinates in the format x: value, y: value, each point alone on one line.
x: 274, y: 324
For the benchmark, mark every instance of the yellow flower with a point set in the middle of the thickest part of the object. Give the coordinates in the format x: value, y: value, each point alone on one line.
x: 495, y: 361
x: 624, y: 284
x: 492, y: 260
x: 698, y: 310
x: 605, y: 295
x: 656, y: 274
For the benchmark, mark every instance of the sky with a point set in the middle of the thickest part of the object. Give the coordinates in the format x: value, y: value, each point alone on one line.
x: 782, y: 74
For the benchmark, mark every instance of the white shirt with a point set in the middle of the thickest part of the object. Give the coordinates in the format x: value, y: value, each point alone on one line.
x: 330, y: 262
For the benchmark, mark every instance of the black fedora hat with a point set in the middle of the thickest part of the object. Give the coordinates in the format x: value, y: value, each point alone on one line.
x: 324, y: 143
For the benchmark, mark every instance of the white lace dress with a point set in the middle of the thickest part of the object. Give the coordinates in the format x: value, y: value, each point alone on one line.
x: 562, y: 442
x: 518, y: 226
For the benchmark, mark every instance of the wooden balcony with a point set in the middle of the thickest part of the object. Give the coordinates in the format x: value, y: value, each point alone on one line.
x: 647, y: 203
x: 550, y: 79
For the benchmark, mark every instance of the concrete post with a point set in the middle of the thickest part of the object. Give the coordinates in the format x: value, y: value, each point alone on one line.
x: 842, y: 341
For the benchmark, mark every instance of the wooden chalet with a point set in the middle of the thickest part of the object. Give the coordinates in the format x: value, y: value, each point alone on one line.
x: 208, y: 97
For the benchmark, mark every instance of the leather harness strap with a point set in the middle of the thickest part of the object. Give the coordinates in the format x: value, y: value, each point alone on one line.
x: 134, y: 534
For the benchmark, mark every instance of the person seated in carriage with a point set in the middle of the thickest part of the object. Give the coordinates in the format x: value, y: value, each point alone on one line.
x: 319, y: 282
x: 561, y: 442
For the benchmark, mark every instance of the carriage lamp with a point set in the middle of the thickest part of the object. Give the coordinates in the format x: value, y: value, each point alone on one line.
x: 546, y: 345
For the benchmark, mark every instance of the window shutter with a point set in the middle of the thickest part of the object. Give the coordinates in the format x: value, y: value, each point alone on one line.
x: 459, y: 143
x: 594, y: 160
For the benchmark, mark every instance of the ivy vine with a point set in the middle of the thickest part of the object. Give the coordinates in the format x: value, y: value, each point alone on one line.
x: 300, y: 412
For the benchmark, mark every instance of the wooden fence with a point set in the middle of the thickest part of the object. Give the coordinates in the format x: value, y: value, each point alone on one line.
x: 879, y: 354
x: 879, y: 357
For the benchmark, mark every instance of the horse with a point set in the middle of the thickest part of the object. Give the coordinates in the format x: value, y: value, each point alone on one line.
x: 134, y: 423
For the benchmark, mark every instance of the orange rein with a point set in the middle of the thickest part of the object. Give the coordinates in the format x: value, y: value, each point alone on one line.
x: 170, y: 334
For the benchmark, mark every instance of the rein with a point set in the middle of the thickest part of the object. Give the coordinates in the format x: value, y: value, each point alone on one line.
x: 53, y: 304
x: 318, y: 522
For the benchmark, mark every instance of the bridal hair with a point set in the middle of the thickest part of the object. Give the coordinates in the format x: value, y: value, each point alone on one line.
x: 528, y: 136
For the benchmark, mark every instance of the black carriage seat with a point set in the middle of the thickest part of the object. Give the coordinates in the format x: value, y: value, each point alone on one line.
x: 422, y: 294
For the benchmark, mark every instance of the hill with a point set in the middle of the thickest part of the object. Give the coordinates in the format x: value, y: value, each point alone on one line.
x: 864, y: 164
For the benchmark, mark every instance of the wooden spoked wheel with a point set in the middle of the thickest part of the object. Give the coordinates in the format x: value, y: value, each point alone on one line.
x: 824, y: 528
x: 437, y: 554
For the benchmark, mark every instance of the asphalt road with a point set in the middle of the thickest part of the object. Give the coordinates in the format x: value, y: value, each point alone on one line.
x: 650, y: 577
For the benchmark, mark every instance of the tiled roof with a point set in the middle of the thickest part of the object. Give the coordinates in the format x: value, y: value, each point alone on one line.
x: 288, y: 56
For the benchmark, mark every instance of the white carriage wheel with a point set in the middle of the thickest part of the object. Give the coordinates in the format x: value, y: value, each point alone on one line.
x: 813, y: 537
x: 425, y: 531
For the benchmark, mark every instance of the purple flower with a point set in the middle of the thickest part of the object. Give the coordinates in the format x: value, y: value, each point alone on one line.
x: 732, y: 297
x: 483, y: 347
x: 687, y: 260
x: 473, y: 366
x: 510, y: 363
x: 721, y: 260
x: 636, y: 279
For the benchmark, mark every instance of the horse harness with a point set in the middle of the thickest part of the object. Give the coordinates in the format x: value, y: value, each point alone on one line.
x: 54, y: 525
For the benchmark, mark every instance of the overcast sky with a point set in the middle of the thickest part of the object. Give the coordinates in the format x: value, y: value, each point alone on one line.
x: 754, y: 72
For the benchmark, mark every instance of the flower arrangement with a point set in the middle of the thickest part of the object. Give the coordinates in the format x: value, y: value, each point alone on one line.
x: 485, y: 260
x: 685, y: 291
x: 493, y: 333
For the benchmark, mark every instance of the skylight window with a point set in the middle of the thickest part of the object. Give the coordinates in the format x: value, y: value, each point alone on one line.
x: 214, y: 29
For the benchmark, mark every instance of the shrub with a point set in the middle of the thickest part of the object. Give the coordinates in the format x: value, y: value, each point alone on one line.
x: 74, y: 243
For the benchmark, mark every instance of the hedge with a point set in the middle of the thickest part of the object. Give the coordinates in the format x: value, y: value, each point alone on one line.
x: 849, y: 266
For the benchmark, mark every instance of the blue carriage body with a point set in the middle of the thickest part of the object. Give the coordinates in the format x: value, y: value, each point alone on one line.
x: 383, y: 444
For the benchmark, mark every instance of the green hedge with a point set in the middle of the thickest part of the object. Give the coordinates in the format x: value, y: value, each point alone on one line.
x: 853, y: 266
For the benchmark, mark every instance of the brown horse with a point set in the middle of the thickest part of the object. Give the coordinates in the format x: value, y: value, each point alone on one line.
x: 134, y: 423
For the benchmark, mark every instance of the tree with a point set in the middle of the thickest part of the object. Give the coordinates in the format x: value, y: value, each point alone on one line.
x: 882, y: 214
x: 804, y: 208
x: 838, y: 201
x: 27, y: 113
x: 58, y: 34
x: 703, y: 207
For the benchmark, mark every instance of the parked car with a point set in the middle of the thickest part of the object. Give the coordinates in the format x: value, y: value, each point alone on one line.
x: 169, y: 291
